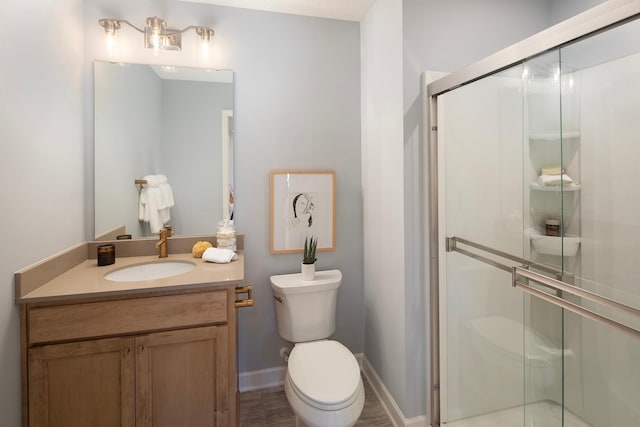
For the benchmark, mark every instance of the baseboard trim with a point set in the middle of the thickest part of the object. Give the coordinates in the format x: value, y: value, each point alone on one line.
x: 263, y: 378
x: 388, y: 402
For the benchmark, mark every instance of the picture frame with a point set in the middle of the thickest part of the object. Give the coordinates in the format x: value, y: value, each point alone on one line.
x: 302, y: 204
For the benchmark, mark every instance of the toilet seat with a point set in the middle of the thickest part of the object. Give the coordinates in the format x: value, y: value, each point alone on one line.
x: 324, y: 374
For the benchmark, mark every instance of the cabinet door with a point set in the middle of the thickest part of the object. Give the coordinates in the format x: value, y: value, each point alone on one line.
x: 88, y: 383
x: 182, y: 378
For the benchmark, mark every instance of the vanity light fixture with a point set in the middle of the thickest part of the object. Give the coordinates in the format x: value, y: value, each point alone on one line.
x: 156, y: 34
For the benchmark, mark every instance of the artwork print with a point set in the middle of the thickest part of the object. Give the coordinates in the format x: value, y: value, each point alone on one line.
x: 302, y: 205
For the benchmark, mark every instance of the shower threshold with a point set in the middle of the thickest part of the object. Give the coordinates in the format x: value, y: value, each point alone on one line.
x: 540, y: 414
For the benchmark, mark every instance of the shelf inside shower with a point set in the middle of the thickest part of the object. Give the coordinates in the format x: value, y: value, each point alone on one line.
x: 553, y: 136
x: 555, y: 188
x: 551, y: 245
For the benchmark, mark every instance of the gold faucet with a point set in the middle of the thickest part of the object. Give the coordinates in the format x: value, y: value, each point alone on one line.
x: 162, y: 243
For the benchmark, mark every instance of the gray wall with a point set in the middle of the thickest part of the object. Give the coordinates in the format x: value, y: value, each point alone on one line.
x: 564, y: 9
x: 297, y: 106
x: 42, y: 174
x: 382, y: 182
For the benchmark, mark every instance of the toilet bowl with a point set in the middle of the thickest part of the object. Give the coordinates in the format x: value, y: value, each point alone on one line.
x: 323, y: 383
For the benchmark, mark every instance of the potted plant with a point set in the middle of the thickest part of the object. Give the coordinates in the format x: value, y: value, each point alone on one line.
x: 308, y: 266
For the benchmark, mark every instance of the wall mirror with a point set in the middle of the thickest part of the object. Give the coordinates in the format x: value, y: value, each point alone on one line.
x: 162, y: 120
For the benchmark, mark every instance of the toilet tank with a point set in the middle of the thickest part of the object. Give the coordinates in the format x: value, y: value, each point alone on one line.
x: 306, y: 310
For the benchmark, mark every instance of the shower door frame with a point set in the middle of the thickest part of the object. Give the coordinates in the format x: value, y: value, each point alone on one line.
x: 598, y: 19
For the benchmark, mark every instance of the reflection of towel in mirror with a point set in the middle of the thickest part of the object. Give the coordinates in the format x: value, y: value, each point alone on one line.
x: 156, y: 198
x: 220, y: 256
x: 548, y: 180
x: 165, y: 198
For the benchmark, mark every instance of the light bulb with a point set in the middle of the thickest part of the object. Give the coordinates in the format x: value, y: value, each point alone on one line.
x: 204, y: 42
x: 112, y: 44
x: 204, y: 50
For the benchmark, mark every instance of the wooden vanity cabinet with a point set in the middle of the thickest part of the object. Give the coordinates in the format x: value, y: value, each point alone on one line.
x: 163, y: 359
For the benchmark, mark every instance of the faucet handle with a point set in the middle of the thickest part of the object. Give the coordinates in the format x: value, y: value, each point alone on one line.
x: 169, y: 230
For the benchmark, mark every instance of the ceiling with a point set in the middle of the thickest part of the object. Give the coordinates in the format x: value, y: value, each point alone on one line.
x: 347, y: 10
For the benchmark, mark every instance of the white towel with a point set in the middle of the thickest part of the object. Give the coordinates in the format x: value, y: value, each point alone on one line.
x: 552, y: 170
x: 550, y: 180
x: 165, y: 198
x: 166, y: 195
x: 156, y: 198
x: 220, y: 256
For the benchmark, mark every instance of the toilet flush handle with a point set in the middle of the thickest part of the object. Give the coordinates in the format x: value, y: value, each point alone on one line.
x: 279, y: 299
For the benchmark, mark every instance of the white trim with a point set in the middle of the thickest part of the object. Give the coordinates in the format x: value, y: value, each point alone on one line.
x: 227, y: 115
x: 388, y: 403
x: 263, y: 378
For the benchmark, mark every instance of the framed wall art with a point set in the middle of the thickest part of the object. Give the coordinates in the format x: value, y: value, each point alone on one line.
x: 302, y: 204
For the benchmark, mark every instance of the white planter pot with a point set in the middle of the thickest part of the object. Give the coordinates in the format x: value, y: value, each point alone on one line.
x: 308, y: 271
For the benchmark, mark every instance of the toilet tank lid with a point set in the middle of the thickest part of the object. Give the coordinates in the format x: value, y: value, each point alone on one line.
x: 293, y: 283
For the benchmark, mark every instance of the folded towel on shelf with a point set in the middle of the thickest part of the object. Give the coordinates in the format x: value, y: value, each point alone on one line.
x: 156, y: 198
x: 220, y: 256
x: 550, y: 180
x: 553, y: 170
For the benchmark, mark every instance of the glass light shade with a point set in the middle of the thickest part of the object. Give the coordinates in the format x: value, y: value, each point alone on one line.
x: 204, y: 50
x: 204, y: 43
x: 112, y: 43
x: 153, y: 33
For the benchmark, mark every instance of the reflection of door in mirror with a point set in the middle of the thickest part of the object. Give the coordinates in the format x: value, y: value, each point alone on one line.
x: 172, y: 121
x: 227, y: 167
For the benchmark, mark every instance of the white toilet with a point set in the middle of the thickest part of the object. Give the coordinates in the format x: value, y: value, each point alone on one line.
x: 323, y: 382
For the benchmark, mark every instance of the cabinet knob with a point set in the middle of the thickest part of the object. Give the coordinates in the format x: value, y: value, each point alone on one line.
x: 248, y: 302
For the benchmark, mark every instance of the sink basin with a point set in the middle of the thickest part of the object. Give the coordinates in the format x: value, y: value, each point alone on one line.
x: 150, y: 271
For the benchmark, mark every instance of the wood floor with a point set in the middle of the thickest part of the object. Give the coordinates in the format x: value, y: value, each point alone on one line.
x: 269, y: 408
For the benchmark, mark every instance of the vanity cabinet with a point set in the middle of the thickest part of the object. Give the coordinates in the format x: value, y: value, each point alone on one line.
x: 158, y: 359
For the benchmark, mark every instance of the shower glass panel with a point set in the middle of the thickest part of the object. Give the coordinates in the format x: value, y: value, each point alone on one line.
x: 482, y: 199
x: 539, y: 167
x: 601, y: 373
x: 544, y: 172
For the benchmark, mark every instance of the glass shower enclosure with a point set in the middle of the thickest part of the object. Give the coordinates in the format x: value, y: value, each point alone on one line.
x: 535, y: 227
